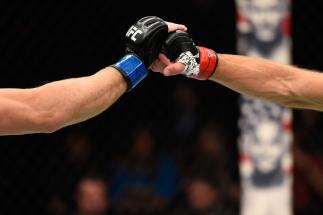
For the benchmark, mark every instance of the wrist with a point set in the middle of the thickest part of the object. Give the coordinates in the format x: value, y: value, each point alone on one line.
x: 209, y: 61
x: 217, y: 72
x: 132, y: 69
x: 120, y: 80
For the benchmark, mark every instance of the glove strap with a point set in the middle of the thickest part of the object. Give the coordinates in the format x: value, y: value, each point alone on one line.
x: 208, y: 63
x: 132, y: 68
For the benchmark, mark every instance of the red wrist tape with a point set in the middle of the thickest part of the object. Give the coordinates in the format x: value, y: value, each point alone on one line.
x: 208, y: 63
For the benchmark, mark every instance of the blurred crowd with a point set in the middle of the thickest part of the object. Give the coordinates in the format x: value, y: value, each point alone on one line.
x: 195, y: 172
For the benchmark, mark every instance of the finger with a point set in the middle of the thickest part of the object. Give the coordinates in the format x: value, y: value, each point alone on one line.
x: 153, y: 66
x: 164, y: 59
x: 173, y: 27
x: 174, y: 69
x: 157, y: 66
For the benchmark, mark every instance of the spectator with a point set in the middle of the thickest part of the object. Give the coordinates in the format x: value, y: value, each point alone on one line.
x: 211, y: 160
x: 186, y: 121
x: 210, y: 156
x: 69, y: 165
x: 92, y: 196
x: 308, y: 183
x: 145, y: 181
x: 308, y: 173
x: 187, y: 117
x: 202, y: 198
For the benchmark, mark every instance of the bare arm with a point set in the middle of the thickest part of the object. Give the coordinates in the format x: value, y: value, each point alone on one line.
x: 59, y: 104
x: 62, y: 103
x: 283, y: 84
x: 287, y: 85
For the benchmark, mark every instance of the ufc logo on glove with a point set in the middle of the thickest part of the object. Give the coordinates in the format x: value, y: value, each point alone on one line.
x: 133, y: 31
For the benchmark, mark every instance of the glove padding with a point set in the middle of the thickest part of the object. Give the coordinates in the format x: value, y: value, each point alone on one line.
x: 145, y: 38
x: 176, y: 43
x: 200, y: 63
x: 143, y: 42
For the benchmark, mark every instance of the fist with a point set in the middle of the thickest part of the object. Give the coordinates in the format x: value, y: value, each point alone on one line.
x: 143, y: 42
x: 145, y: 38
x: 190, y: 60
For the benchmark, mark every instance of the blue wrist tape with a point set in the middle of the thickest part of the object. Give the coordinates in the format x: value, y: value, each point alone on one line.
x: 132, y: 68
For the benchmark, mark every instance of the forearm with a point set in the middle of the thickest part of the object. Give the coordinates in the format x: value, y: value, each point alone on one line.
x: 79, y: 99
x: 272, y: 81
x: 61, y: 103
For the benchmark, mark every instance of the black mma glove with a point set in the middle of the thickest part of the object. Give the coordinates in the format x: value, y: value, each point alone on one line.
x: 200, y: 62
x: 143, y: 42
